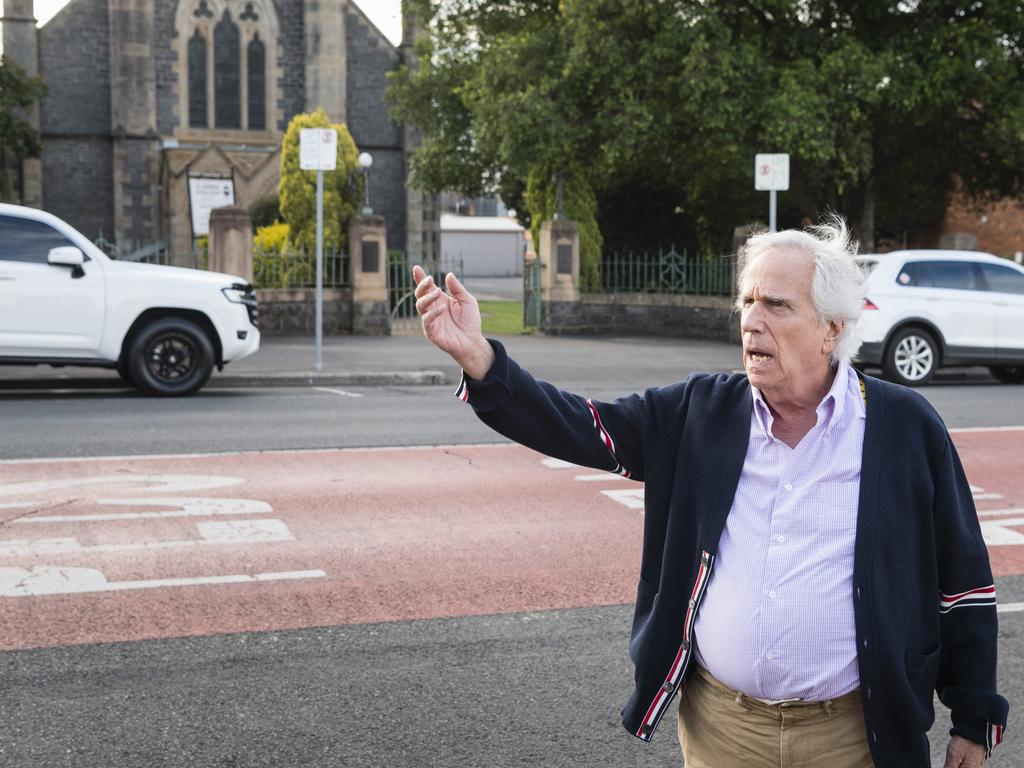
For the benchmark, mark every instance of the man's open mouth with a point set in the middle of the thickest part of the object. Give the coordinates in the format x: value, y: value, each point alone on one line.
x: 759, y: 357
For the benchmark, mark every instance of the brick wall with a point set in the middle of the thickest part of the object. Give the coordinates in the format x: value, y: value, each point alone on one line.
x: 293, y: 311
x: 998, y: 227
x: 165, y: 60
x: 292, y: 85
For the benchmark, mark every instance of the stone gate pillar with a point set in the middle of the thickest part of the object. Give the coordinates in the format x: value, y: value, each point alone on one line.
x: 559, y: 255
x: 368, y: 276
x: 231, y: 241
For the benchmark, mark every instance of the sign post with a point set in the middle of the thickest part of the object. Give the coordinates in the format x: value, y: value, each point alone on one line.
x: 318, y: 151
x: 771, y: 173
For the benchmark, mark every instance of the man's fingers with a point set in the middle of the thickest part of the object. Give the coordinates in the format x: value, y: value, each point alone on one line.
x: 455, y: 288
x: 418, y: 274
x: 425, y: 302
x: 424, y: 286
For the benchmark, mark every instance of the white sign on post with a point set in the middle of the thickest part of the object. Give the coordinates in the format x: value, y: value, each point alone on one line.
x: 771, y: 172
x: 318, y: 149
x: 204, y: 195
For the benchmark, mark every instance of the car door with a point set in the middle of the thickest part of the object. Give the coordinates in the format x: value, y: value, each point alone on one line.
x: 1006, y: 292
x: 952, y: 292
x: 45, y: 310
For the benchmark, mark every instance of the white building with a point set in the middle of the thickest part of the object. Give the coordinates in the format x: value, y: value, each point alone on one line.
x: 486, y: 246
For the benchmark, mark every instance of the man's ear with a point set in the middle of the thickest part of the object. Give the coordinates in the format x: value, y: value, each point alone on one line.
x: 833, y: 331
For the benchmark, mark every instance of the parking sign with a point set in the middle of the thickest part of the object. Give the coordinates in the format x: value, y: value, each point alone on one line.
x: 318, y: 149
x: 771, y: 172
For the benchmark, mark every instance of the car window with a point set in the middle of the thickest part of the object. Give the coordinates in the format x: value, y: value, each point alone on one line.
x: 28, y: 240
x: 957, y: 275
x: 1003, y: 279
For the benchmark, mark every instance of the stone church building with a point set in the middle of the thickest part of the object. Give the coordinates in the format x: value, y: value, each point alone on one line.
x: 144, y: 94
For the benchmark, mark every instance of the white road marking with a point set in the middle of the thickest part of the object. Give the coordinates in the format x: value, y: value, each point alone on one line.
x: 629, y: 497
x: 1010, y: 608
x: 505, y: 444
x: 986, y: 429
x: 998, y: 512
x: 997, y: 534
x: 219, y: 532
x: 16, y: 504
x: 63, y: 580
x: 337, y: 392
x: 186, y: 507
x: 979, y: 494
x: 599, y: 478
x: 164, y: 483
x: 551, y: 463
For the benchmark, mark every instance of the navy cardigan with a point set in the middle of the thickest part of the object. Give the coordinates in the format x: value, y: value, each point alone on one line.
x: 923, y: 594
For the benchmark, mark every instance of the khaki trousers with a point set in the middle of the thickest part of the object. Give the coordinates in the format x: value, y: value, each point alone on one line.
x: 721, y: 728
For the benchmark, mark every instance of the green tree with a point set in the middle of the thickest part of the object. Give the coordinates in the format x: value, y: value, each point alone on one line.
x: 343, y: 187
x: 884, y: 108
x: 18, y: 139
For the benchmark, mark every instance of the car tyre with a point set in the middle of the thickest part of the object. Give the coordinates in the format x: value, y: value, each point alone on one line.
x: 170, y: 357
x: 124, y: 372
x: 911, y: 357
x: 1008, y: 374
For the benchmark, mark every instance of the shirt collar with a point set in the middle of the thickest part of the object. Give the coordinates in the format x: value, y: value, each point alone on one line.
x: 833, y: 408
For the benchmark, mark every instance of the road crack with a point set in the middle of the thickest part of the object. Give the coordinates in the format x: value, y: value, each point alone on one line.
x: 458, y: 455
x: 36, y: 511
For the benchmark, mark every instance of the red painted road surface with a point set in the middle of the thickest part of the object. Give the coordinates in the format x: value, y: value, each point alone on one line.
x: 134, y: 548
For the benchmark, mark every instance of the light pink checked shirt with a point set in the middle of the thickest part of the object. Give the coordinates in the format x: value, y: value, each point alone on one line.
x: 777, y: 620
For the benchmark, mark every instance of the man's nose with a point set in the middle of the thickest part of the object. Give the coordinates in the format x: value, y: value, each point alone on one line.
x: 751, y: 318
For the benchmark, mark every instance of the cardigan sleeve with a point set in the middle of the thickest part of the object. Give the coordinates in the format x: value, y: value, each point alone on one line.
x: 612, y: 436
x: 967, y: 611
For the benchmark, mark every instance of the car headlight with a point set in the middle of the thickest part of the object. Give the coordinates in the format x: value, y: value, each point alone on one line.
x: 244, y: 293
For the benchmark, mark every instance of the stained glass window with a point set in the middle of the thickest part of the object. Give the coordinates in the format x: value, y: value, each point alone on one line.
x: 257, y: 85
x: 197, y: 116
x: 227, y: 73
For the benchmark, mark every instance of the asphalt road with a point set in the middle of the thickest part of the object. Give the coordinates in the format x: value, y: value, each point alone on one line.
x: 123, y: 423
x: 514, y: 689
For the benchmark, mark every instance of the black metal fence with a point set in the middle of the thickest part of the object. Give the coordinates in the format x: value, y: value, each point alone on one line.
x: 666, y: 272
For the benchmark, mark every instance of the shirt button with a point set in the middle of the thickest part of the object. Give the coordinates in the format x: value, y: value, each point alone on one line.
x: 769, y: 655
x: 693, y: 604
x: 771, y: 593
x: 789, y: 487
x: 865, y: 643
x: 667, y: 687
x: 868, y: 691
x: 779, y: 539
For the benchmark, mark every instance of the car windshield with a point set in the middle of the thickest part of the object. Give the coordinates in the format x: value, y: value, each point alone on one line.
x: 867, y: 265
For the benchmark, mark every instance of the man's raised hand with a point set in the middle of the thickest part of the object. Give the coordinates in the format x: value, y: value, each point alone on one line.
x: 451, y: 321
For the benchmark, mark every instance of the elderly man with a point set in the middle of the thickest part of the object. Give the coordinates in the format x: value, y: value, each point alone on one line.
x: 813, y: 567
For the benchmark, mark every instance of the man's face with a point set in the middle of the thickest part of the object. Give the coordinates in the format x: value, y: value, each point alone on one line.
x: 785, y: 345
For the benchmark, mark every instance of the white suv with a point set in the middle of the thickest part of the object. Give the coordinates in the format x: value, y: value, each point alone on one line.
x: 928, y: 309
x: 64, y: 302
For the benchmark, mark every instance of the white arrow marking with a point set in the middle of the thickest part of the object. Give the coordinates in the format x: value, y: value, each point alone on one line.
x: 185, y: 508
x: 63, y: 580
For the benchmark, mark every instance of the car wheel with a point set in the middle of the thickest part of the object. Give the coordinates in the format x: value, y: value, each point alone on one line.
x: 1008, y: 374
x: 911, y: 358
x: 170, y: 357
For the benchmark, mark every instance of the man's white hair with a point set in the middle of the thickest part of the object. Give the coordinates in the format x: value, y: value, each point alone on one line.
x: 837, y: 286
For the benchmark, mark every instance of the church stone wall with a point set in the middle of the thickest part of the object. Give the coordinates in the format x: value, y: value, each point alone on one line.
x: 293, y: 62
x: 370, y: 58
x: 167, y: 117
x: 74, y: 60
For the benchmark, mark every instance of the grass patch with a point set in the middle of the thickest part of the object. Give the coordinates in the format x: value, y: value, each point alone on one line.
x: 502, y: 317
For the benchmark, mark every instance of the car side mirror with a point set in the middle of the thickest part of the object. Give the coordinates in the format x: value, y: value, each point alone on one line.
x: 68, y: 256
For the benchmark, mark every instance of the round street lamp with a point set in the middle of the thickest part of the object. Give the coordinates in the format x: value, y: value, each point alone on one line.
x: 365, y: 162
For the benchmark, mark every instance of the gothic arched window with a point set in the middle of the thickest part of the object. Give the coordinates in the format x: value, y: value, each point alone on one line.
x: 197, y: 115
x: 227, y: 75
x: 227, y: 64
x: 257, y: 66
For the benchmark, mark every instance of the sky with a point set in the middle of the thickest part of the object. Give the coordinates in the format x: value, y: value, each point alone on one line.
x: 384, y: 13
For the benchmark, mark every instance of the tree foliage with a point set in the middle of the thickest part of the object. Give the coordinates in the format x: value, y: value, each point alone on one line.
x: 18, y: 94
x: 884, y: 108
x: 343, y: 187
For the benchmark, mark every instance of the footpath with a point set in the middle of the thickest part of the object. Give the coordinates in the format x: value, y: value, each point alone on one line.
x: 622, y: 364
x: 408, y: 360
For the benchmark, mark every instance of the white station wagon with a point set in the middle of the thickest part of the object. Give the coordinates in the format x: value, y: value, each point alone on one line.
x: 65, y: 302
x: 929, y: 309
